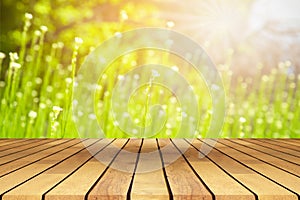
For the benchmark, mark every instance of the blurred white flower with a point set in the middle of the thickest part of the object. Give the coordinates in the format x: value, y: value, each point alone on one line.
x: 170, y: 24
x: 242, y: 120
x: 68, y: 80
x: 92, y: 116
x: 37, y: 33
x: 215, y: 87
x: 123, y: 15
x: 168, y: 125
x: 44, y: 29
x: 175, y: 68
x: 121, y: 77
x: 2, y: 83
x: 106, y: 93
x: 15, y: 65
x: 2, y: 55
x: 28, y: 16
x: 78, y: 40
x: 118, y: 34
x: 168, y: 132
x: 42, y: 105
x: 13, y: 56
x: 32, y: 114
x: 54, y: 45
x: 116, y: 123
x: 155, y: 73
x: 56, y: 110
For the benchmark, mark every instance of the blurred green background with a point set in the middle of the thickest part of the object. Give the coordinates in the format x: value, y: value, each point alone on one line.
x: 254, y: 44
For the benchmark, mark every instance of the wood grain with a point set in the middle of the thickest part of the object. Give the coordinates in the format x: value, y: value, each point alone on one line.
x: 116, y: 180
x: 149, y: 184
x: 277, y: 148
x: 274, y: 173
x: 215, y: 178
x: 247, y: 176
x: 35, y: 187
x: 84, y: 178
x: 63, y: 169
x: 284, y: 145
x: 6, y: 142
x: 57, y: 145
x: 18, y: 177
x: 12, y: 145
x: 183, y: 182
x: 269, y: 151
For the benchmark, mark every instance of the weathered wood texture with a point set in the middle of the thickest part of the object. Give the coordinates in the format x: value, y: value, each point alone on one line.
x: 54, y: 169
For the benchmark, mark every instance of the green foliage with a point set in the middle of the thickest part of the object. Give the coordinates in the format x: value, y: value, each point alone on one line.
x: 37, y: 88
x: 93, y: 20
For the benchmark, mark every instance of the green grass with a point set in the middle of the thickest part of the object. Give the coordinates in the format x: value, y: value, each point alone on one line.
x: 36, y: 92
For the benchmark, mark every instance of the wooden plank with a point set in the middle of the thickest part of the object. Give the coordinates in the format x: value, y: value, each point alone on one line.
x: 215, y: 178
x: 36, y: 187
x: 269, y: 151
x: 7, y: 142
x: 16, y: 144
x: 20, y: 176
x: 149, y: 184
x: 86, y: 175
x: 16, y: 153
x: 114, y: 183
x: 183, y: 182
x: 275, y: 162
x: 261, y: 186
x: 63, y: 169
x: 281, y: 144
x: 279, y: 176
x: 22, y: 148
x: 56, y: 146
x: 287, y: 141
x: 296, y: 140
x: 275, y: 148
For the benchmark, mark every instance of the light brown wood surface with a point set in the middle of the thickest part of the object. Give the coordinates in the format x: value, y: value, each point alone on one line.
x: 22, y: 149
x: 116, y: 181
x: 282, y: 144
x: 292, y: 168
x: 292, y: 142
x: 277, y: 148
x: 282, y: 177
x: 149, y: 181
x: 7, y: 142
x: 183, y: 182
x: 214, y: 176
x: 269, y: 151
x: 13, y: 144
x: 63, y: 169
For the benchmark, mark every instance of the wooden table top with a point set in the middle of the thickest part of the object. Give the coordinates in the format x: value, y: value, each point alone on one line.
x: 149, y: 169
